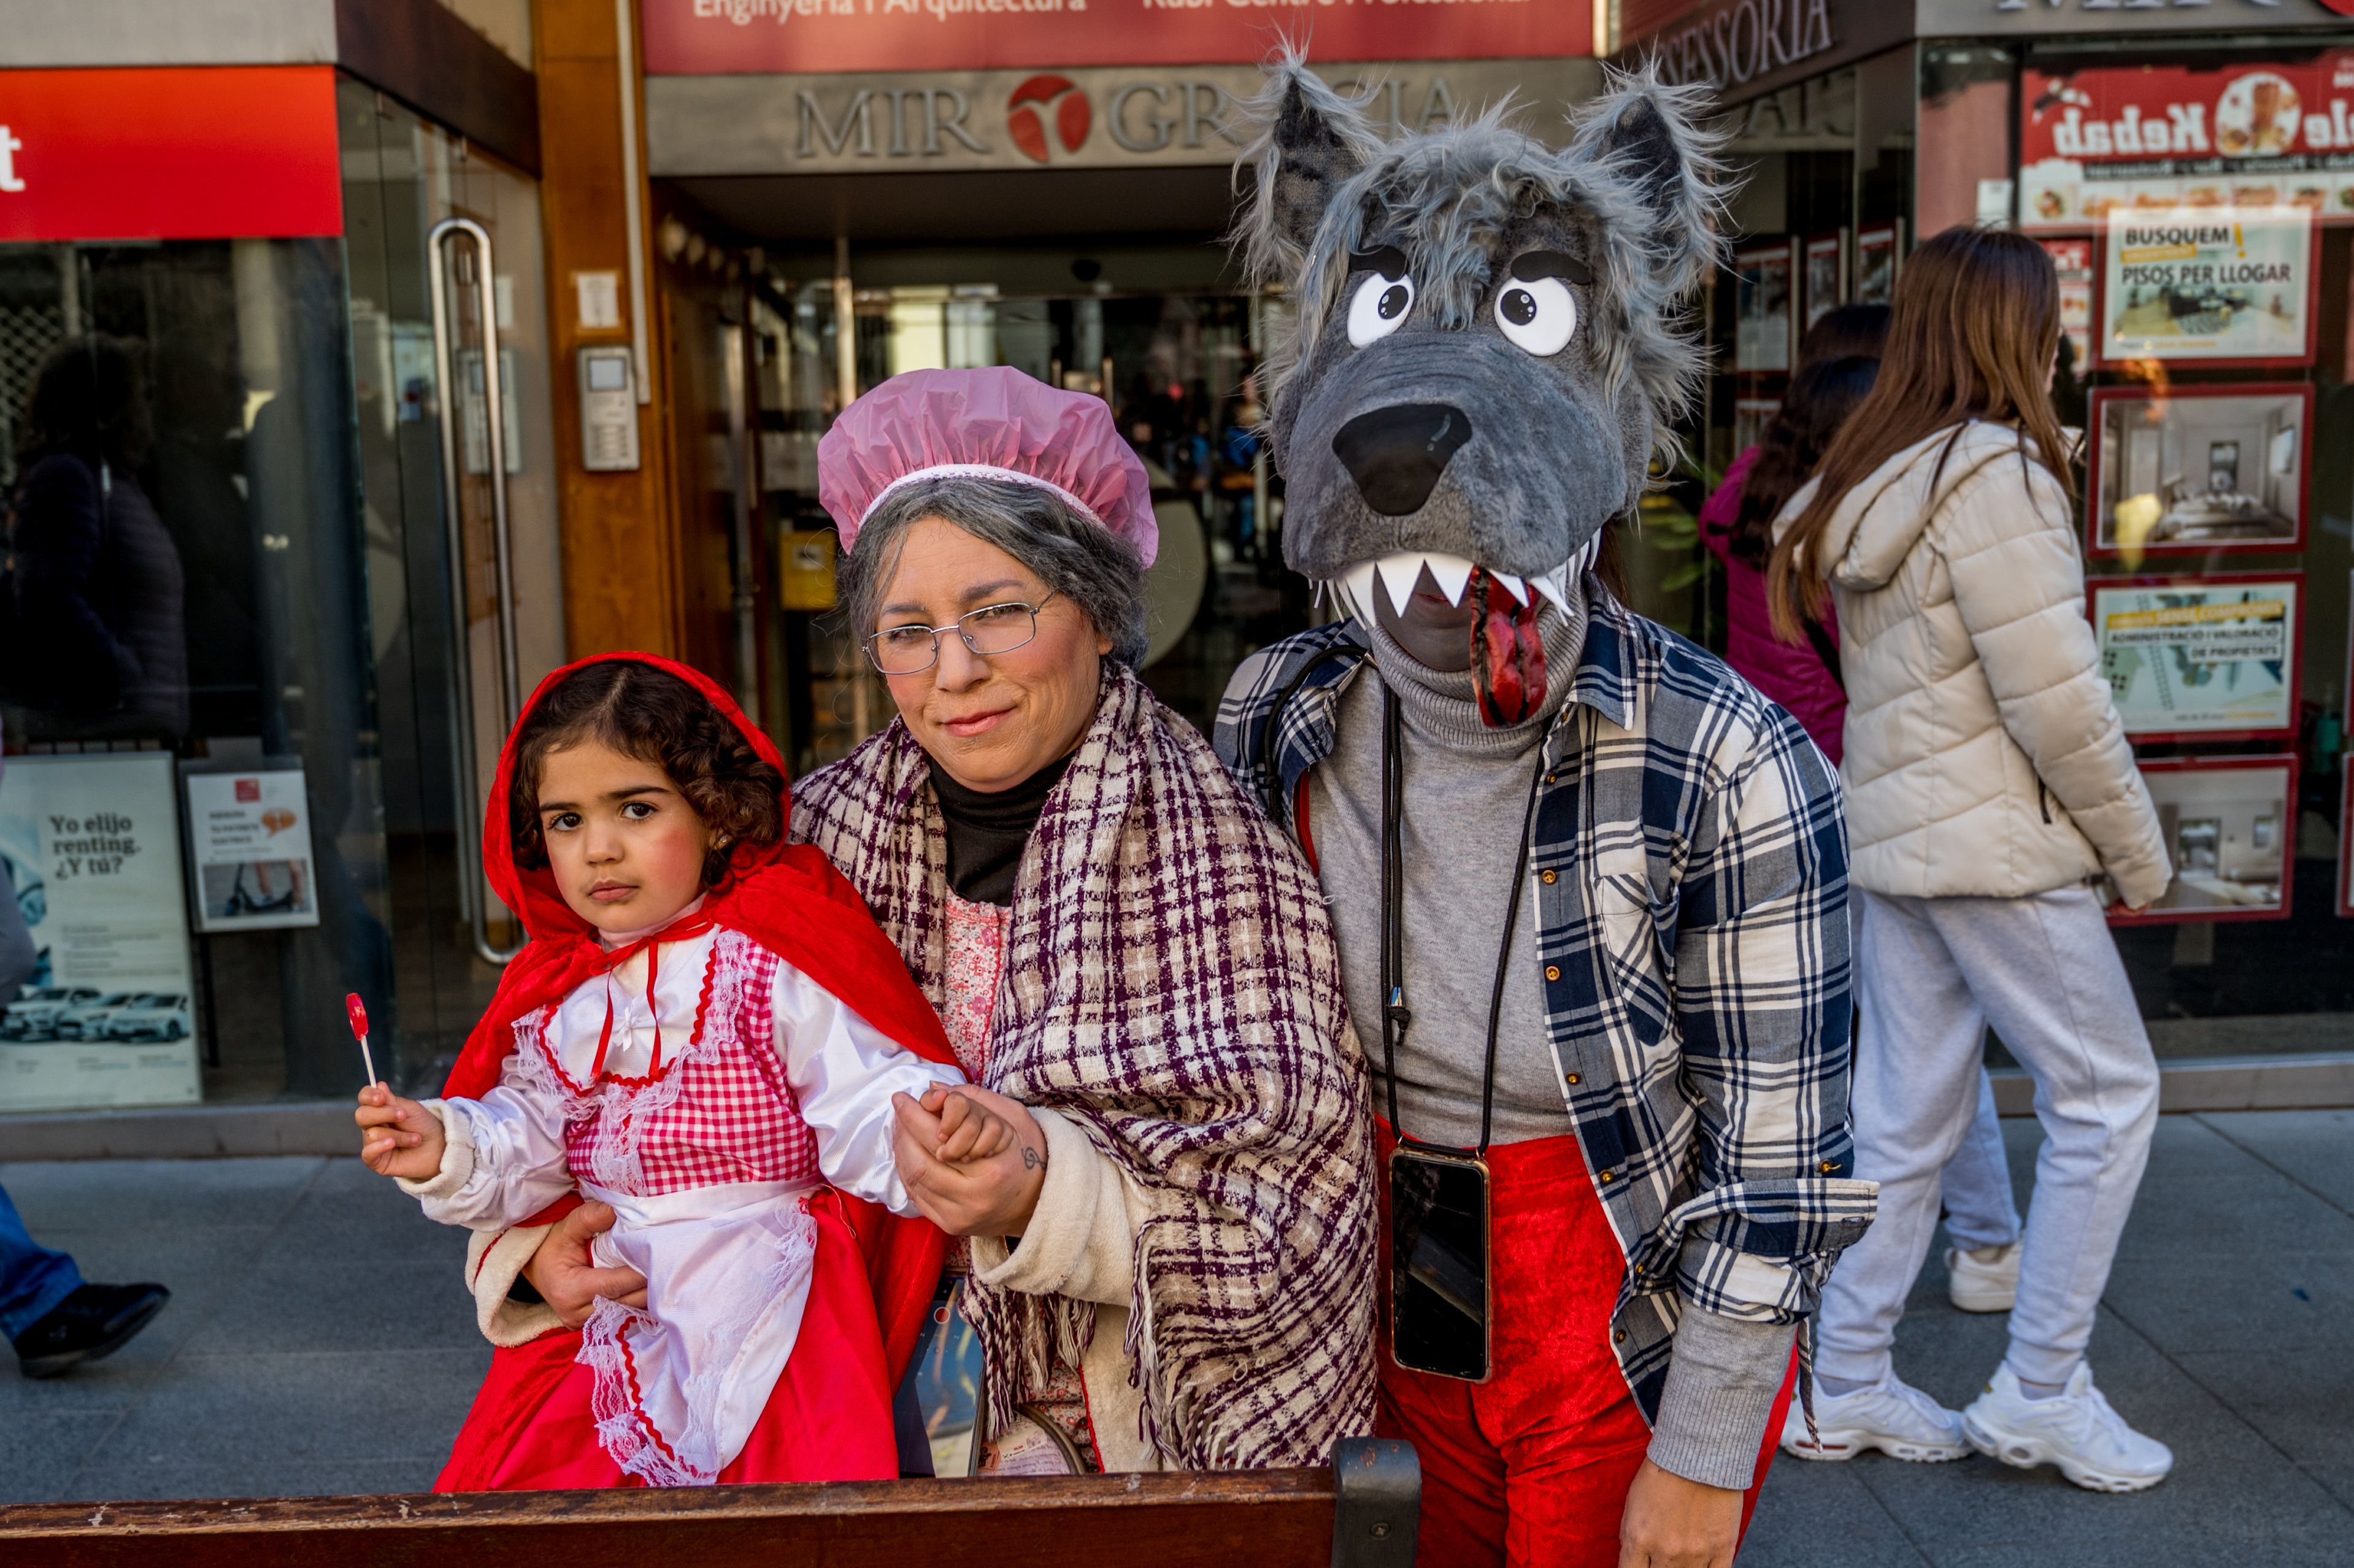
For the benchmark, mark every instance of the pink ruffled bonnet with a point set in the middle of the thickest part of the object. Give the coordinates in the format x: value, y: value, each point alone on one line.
x: 993, y: 423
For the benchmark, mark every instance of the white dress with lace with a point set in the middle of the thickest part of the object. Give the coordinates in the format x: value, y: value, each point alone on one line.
x: 707, y: 1118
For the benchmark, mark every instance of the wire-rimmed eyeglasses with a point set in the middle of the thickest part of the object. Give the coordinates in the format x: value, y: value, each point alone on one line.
x: 990, y: 630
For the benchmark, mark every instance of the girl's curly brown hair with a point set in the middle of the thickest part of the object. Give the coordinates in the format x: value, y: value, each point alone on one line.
x: 657, y: 717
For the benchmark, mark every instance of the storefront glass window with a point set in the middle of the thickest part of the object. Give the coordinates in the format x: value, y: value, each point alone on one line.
x: 402, y: 178
x: 185, y: 563
x: 2215, y: 481
x: 229, y: 700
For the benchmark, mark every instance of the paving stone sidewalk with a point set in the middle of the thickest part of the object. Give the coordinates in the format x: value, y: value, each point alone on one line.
x: 318, y: 1342
x: 2227, y: 1332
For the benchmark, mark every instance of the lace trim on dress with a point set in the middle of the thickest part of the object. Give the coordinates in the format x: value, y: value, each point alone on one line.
x: 616, y: 1398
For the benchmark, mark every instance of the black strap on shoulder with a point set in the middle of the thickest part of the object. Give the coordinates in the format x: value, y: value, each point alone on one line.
x: 1396, y: 1014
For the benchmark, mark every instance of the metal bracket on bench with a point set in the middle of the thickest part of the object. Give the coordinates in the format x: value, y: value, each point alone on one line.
x: 1377, y: 1505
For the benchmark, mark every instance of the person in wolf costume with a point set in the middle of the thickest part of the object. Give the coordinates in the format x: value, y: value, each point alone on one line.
x: 1590, y: 887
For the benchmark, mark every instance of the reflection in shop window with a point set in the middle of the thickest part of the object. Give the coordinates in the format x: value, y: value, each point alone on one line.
x: 184, y: 565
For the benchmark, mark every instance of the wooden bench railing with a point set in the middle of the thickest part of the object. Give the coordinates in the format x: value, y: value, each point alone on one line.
x: 1359, y: 1513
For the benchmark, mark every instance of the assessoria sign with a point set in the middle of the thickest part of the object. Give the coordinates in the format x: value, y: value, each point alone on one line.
x: 1738, y: 43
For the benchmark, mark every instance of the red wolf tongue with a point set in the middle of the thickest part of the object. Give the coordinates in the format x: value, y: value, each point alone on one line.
x: 1507, y: 662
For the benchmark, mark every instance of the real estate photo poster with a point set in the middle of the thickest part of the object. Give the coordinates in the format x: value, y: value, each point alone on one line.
x: 2072, y: 259
x: 2230, y: 825
x: 2346, y: 843
x: 1764, y: 321
x: 1826, y: 274
x: 2346, y: 797
x: 1879, y: 250
x: 2207, y: 285
x: 1750, y: 418
x: 2198, y: 469
x: 2212, y: 658
x: 92, y: 848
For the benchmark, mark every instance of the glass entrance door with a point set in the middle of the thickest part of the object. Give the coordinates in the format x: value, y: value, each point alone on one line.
x: 191, y: 674
x: 448, y: 327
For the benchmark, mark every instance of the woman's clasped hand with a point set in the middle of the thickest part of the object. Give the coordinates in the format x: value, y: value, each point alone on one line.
x: 961, y: 1187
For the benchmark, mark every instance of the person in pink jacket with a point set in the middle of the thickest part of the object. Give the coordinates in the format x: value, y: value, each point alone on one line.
x: 1840, y: 360
x: 1837, y: 362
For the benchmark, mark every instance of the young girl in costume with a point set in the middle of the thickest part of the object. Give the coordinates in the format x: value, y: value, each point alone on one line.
x: 706, y: 1032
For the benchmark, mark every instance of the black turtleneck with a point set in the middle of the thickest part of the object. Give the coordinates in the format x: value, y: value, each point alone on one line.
x: 987, y: 830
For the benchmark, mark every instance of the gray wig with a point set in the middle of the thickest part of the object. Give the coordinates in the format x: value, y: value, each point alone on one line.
x: 1079, y: 558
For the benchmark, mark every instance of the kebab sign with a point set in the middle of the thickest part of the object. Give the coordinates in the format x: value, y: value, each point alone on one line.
x: 2217, y: 287
x: 2112, y: 138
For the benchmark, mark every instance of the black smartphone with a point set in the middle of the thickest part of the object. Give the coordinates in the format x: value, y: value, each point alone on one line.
x: 1438, y: 1263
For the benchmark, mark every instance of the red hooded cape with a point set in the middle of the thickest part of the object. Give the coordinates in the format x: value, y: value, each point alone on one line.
x: 791, y: 900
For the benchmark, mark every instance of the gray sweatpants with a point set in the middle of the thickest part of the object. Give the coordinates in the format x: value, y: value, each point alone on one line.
x: 1932, y: 974
x: 1980, y: 1210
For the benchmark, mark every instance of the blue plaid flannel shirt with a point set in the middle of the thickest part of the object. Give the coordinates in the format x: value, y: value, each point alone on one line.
x: 1691, y: 860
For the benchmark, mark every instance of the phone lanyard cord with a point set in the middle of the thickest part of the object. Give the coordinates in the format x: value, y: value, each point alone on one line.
x: 1395, y: 1015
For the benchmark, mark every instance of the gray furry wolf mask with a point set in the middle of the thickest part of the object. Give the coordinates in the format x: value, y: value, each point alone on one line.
x: 1488, y: 349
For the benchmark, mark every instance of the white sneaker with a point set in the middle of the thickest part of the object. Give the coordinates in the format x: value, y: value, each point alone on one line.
x: 1985, y: 1280
x: 1890, y: 1416
x: 2076, y: 1431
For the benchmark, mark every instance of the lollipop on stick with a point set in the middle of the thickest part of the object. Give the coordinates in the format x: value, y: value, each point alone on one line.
x: 358, y: 1013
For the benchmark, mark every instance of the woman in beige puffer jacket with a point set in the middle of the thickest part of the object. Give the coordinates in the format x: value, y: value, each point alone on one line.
x: 1989, y: 788
x: 1984, y: 756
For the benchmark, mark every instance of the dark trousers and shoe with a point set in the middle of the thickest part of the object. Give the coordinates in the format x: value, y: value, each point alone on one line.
x: 55, y: 1319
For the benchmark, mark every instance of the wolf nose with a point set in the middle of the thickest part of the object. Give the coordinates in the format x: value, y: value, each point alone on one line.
x: 1396, y: 454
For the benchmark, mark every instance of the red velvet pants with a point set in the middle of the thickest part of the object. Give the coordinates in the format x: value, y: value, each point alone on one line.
x: 1531, y: 1466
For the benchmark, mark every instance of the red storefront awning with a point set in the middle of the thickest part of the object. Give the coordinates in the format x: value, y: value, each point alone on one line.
x: 211, y: 153
x: 728, y: 37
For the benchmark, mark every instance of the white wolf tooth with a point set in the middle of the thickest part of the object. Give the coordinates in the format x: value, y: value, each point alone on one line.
x: 1452, y: 573
x: 1549, y: 585
x: 1399, y: 574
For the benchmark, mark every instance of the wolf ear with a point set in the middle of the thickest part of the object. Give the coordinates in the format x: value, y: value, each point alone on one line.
x: 1649, y: 136
x: 1306, y: 140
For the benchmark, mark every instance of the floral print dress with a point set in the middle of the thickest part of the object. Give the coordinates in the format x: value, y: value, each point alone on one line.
x: 976, y: 965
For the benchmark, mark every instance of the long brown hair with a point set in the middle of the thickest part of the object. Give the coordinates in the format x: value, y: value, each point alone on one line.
x: 1977, y: 321
x: 1821, y: 399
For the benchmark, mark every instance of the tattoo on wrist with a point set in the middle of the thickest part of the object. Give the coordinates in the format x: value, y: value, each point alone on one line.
x: 1030, y: 1158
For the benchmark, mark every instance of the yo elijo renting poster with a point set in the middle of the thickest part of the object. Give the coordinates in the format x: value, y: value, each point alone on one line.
x: 91, y: 845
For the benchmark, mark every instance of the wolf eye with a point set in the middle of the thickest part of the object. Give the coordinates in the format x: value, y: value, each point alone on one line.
x: 1379, y: 307
x: 1538, y: 313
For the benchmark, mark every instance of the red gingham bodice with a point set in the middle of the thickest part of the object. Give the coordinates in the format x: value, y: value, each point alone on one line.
x: 722, y: 1111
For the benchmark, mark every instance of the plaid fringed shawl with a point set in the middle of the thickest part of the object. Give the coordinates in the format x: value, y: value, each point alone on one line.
x: 1170, y: 985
